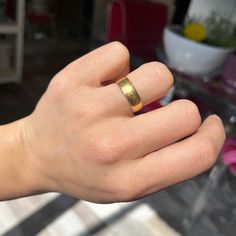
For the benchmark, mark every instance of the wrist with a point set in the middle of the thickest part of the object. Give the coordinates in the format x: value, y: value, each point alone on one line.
x: 19, y: 172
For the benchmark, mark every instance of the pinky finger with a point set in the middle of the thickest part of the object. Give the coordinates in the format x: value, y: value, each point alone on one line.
x: 182, y: 160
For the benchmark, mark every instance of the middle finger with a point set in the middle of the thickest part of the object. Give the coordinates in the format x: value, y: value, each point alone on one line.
x: 157, y: 129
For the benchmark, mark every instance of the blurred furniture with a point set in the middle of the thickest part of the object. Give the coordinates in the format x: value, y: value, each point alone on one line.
x: 229, y: 154
x: 210, y: 94
x: 210, y: 208
x: 16, y: 28
x: 40, y: 19
x: 138, y: 25
x: 229, y: 75
x: 99, y: 29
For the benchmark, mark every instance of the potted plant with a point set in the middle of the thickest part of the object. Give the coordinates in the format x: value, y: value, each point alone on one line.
x: 200, y: 48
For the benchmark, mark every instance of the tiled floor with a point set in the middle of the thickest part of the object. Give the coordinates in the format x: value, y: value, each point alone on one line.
x: 59, y: 215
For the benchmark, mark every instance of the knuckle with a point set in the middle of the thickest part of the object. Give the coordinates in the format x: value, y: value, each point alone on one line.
x: 58, y: 91
x: 58, y: 85
x: 132, y: 189
x: 129, y: 192
x: 115, y: 144
x: 102, y: 149
x: 220, y: 127
x: 166, y: 74
x: 162, y: 67
x: 191, y: 111
x: 88, y: 106
x: 156, y: 68
x: 121, y: 48
x: 159, y: 70
x: 107, y: 148
x: 207, y: 154
x: 90, y: 110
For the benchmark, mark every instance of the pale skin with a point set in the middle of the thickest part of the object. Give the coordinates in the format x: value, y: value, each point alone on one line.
x: 83, y: 140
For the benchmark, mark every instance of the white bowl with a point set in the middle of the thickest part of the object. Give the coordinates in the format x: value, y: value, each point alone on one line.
x: 191, y: 57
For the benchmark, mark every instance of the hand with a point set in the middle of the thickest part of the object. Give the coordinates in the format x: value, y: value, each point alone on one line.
x: 83, y: 139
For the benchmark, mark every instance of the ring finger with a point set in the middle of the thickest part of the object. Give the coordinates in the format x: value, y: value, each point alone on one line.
x: 152, y: 81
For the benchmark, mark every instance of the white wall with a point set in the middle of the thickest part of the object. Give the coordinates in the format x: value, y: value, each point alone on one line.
x: 202, y: 8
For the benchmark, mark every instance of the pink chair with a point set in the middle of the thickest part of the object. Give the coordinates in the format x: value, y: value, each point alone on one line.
x: 139, y: 25
x: 229, y: 154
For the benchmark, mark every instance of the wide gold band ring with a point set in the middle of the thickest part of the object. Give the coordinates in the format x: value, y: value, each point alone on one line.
x: 131, y: 94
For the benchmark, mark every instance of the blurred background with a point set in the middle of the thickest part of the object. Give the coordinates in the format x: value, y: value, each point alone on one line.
x: 195, y: 38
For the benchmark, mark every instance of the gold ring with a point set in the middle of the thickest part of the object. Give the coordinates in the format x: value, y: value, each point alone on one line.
x: 131, y: 94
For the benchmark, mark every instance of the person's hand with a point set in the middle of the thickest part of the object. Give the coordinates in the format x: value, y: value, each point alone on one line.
x: 83, y: 139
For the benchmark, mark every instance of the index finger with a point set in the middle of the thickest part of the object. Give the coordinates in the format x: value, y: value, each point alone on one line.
x: 108, y: 62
